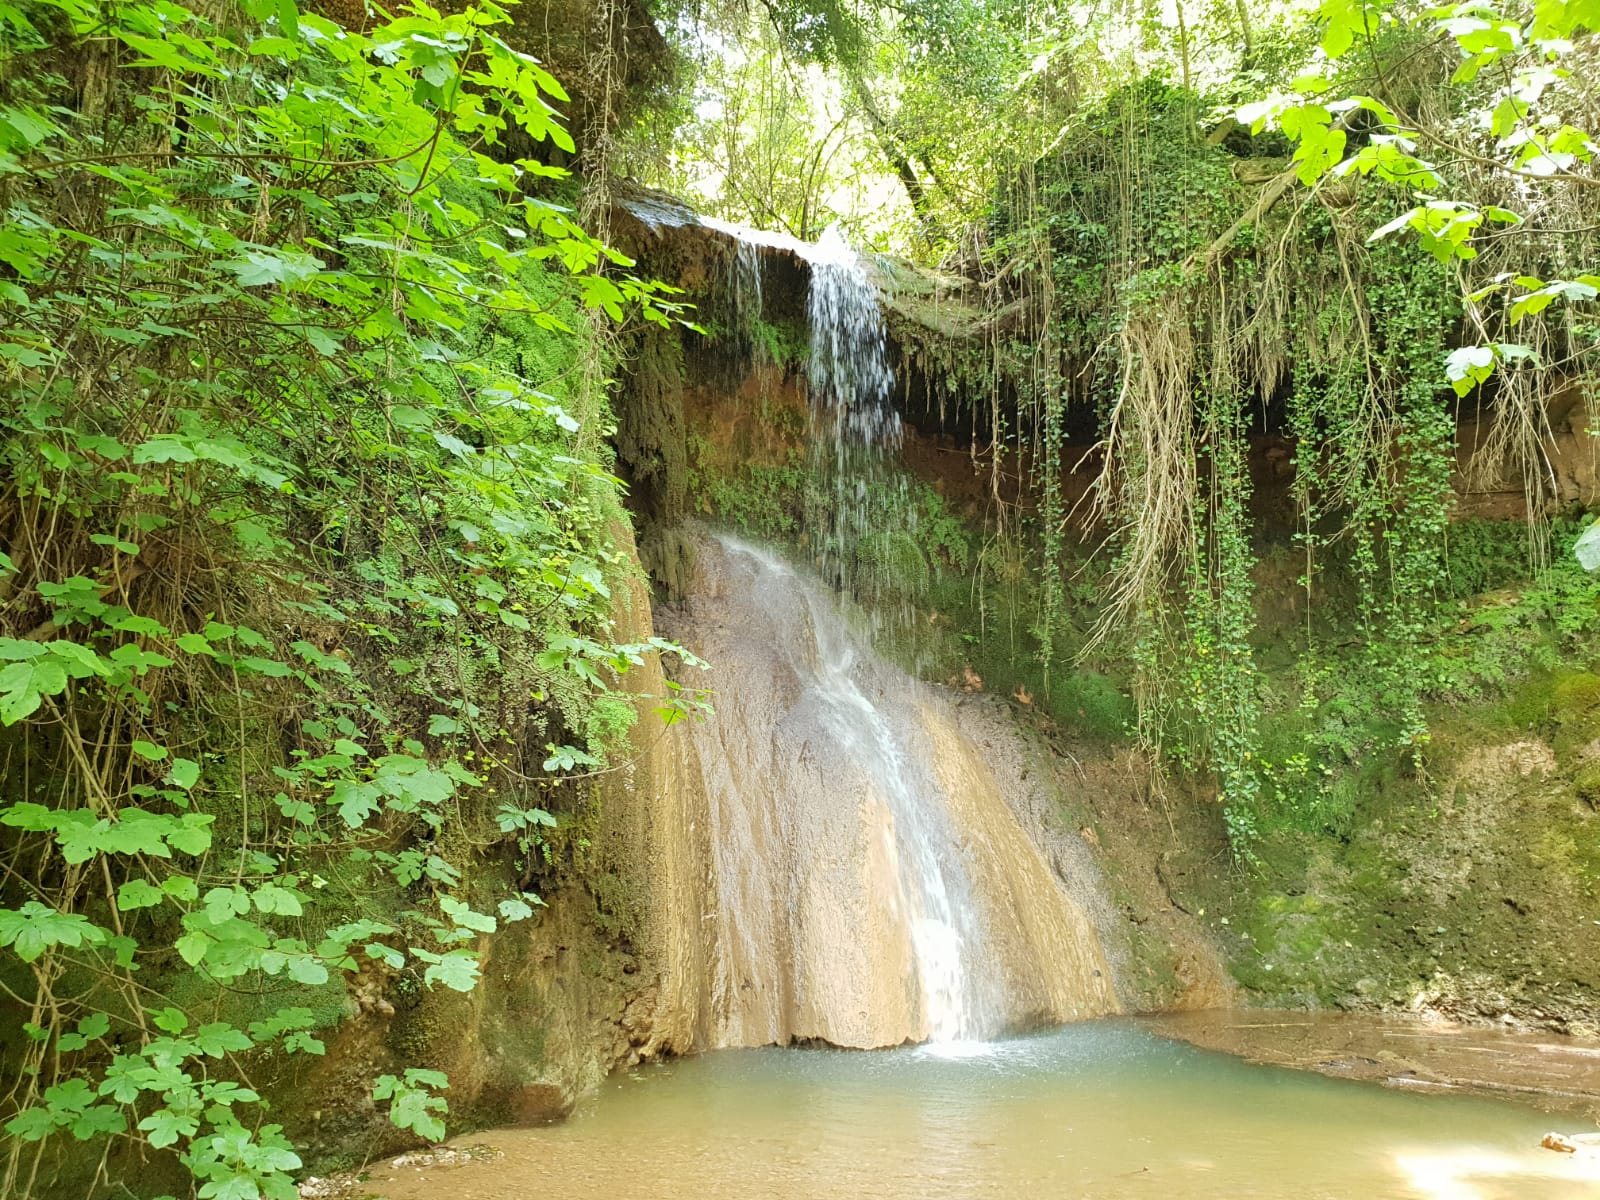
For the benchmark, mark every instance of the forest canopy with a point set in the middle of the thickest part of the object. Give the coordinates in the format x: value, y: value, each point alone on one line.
x: 1365, y: 229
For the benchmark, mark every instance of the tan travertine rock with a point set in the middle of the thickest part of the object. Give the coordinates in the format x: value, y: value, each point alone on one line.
x: 866, y: 877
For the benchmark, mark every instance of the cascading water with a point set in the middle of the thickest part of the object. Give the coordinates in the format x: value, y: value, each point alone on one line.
x: 746, y: 283
x: 934, y: 894
x: 858, y: 502
x: 849, y: 374
x: 867, y: 883
x: 854, y: 430
x: 870, y: 885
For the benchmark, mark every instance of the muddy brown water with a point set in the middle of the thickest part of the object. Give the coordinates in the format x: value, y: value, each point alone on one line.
x: 1103, y: 1109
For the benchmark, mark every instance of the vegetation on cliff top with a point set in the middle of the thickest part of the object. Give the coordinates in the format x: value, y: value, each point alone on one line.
x: 1361, y: 234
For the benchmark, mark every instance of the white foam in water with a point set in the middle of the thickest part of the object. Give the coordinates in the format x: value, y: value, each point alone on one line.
x: 961, y: 1048
x: 939, y: 965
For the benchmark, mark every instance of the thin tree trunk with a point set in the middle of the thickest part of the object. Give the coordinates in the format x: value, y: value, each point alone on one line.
x: 892, y: 150
x: 1249, y: 59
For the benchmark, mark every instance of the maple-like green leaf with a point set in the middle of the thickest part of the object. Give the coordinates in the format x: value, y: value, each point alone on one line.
x: 23, y: 686
x: 137, y: 893
x: 270, y: 898
x: 165, y: 1127
x: 218, y: 1038
x: 34, y: 928
x: 263, y: 267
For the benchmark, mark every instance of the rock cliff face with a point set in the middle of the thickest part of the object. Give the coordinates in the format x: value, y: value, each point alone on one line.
x: 746, y: 880
x: 1363, y: 920
x: 869, y: 884
x: 743, y: 880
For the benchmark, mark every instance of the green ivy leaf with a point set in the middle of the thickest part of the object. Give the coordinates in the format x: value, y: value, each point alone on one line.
x: 1587, y: 548
x: 24, y: 685
x: 181, y: 887
x: 355, y: 801
x: 91, y: 1028
x: 457, y: 970
x: 165, y: 1128
x: 307, y: 970
x: 31, y: 1124
x: 515, y: 910
x: 218, y: 1038
x: 270, y: 898
x: 142, y: 626
x: 136, y: 893
x: 390, y: 957
x: 192, y: 834
x: 465, y: 916
x: 263, y: 267
x: 303, y: 1043
x: 96, y: 1121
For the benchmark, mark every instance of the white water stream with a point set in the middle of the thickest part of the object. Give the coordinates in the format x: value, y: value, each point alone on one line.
x: 870, y: 884
x: 932, y: 894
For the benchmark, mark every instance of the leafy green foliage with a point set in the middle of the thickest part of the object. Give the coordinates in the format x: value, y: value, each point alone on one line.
x: 307, y: 517
x: 1514, y: 63
x: 35, y: 928
x: 412, y: 1104
x: 1398, y: 234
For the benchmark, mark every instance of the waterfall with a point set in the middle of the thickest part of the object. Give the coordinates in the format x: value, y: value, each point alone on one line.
x: 866, y: 880
x: 854, y: 431
x: 849, y: 375
x: 869, y: 884
x: 858, y: 504
x: 746, y: 283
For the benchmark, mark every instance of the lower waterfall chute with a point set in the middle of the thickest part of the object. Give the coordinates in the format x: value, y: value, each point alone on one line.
x: 868, y: 883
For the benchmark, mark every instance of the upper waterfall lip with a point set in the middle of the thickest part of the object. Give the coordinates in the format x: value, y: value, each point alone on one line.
x: 770, y: 238
x: 660, y: 211
x: 663, y: 213
x: 834, y: 247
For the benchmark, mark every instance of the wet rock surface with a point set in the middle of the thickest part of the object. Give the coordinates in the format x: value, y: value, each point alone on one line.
x: 1554, y: 1073
x: 868, y: 884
